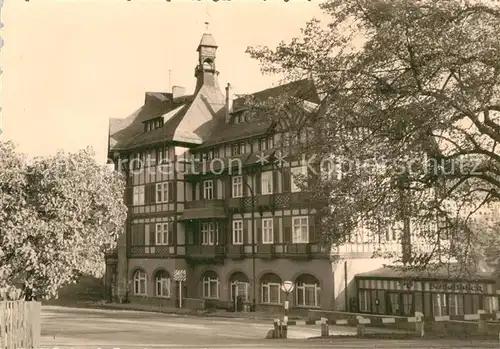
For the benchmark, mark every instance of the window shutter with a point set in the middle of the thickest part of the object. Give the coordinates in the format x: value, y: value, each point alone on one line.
x: 147, y: 194
x: 258, y: 183
x: 229, y: 187
x: 170, y: 233
x: 245, y: 187
x: 147, y: 234
x: 287, y: 229
x: 258, y: 229
x: 152, y: 190
x: 245, y: 232
x: 287, y: 234
x: 129, y: 196
x: 275, y: 181
x: 171, y: 191
x: 276, y: 230
x: 152, y: 236
x: 215, y: 194
x: 286, y: 180
x: 312, y: 232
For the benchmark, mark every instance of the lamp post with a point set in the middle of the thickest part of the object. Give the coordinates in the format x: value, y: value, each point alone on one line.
x: 287, y: 287
x: 252, y: 196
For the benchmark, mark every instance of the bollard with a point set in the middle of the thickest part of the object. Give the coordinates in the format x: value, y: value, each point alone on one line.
x: 284, y: 330
x: 324, y: 327
x: 482, y: 324
x: 277, y: 328
x: 419, y: 324
x: 360, y: 327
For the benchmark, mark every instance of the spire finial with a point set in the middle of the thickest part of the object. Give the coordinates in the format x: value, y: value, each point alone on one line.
x: 206, y: 26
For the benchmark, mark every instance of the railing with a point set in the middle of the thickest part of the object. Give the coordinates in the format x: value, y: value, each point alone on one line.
x: 205, y: 203
x: 205, y: 251
x: 159, y: 250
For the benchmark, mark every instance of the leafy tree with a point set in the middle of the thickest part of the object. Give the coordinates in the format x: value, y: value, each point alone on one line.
x: 58, y: 216
x: 410, y: 109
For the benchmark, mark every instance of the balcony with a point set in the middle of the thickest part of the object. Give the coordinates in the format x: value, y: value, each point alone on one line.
x: 206, y: 253
x: 265, y: 201
x: 151, y: 250
x: 236, y: 205
x: 204, y: 209
x: 236, y: 252
x: 266, y: 251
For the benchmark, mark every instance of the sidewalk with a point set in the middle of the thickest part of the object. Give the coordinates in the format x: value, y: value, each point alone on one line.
x: 187, y: 312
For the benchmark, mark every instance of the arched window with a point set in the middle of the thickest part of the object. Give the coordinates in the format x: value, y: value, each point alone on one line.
x: 162, y: 282
x: 307, y: 291
x: 210, y: 284
x: 239, y: 286
x: 140, y: 278
x: 270, y: 289
x: 207, y: 64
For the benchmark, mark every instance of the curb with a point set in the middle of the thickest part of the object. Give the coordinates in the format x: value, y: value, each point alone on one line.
x: 192, y: 313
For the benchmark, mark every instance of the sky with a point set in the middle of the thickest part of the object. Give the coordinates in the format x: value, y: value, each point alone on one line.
x: 69, y: 66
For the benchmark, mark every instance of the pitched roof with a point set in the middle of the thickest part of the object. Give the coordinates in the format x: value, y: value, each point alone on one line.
x: 224, y: 132
x: 207, y: 40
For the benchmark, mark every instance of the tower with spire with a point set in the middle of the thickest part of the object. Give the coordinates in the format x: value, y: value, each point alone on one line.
x: 205, y: 71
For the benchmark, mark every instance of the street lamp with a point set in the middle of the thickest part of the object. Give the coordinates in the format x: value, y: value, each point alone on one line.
x: 287, y: 287
x: 252, y: 196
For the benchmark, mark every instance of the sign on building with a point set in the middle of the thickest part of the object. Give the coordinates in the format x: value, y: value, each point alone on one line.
x: 180, y: 275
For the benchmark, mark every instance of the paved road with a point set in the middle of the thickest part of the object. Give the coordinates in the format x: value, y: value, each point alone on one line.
x: 106, y: 329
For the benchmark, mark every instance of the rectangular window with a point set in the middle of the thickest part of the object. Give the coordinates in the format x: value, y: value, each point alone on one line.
x: 267, y: 182
x: 238, y: 149
x: 163, y: 155
x: 298, y: 175
x: 162, y: 233
x: 238, y: 232
x: 490, y: 304
x: 266, y: 143
x: 162, y: 192
x: 209, y: 232
x: 237, y: 186
x: 267, y: 231
x: 210, y: 287
x: 138, y: 194
x: 300, y: 230
x: 439, y: 306
x: 140, y: 283
x: 208, y: 189
x: 271, y: 293
x: 456, y: 304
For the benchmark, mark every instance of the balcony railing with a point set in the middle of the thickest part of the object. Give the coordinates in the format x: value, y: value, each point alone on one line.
x: 204, y: 252
x: 236, y: 251
x: 205, y: 203
x: 152, y: 250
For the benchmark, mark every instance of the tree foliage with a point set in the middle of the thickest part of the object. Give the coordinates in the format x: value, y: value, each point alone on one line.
x: 59, y: 215
x: 410, y: 109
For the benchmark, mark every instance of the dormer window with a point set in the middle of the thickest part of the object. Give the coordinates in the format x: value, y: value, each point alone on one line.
x: 238, y: 149
x: 209, y: 154
x: 153, y: 124
x: 239, y: 118
x: 266, y: 143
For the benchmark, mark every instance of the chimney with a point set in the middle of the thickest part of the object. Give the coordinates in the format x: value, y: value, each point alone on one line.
x: 178, y: 91
x: 229, y: 101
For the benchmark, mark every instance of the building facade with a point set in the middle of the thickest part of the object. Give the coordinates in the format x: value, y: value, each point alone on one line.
x: 208, y: 194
